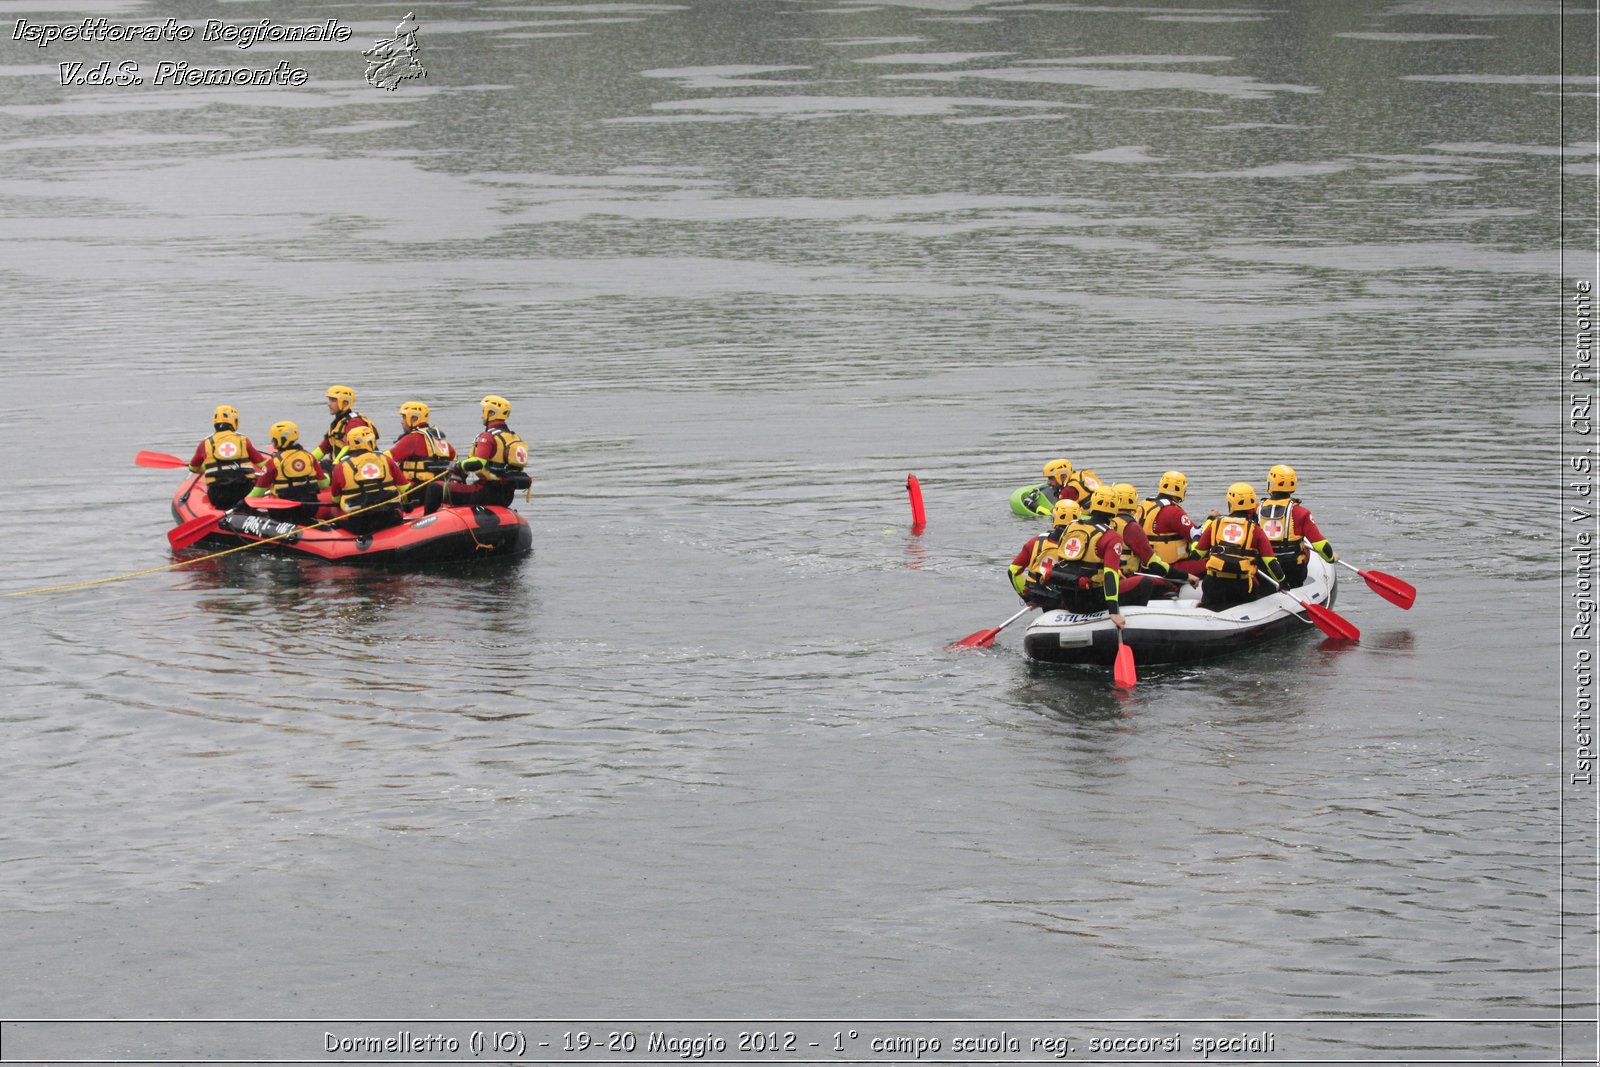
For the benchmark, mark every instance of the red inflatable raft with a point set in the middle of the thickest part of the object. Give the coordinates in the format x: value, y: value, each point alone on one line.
x: 450, y: 534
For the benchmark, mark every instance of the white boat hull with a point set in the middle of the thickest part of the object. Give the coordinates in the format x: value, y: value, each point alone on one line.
x: 1179, y: 631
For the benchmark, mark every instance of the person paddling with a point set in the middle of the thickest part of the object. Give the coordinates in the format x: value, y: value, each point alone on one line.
x: 1090, y: 570
x: 366, y: 485
x: 1289, y: 526
x: 1167, y: 525
x: 1028, y: 571
x: 226, y: 459
x: 421, y: 450
x: 1139, y: 555
x: 291, y: 473
x: 1234, y: 548
x: 499, y: 456
x: 342, y: 406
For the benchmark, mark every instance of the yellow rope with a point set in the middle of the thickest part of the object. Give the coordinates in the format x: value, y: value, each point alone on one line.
x: 404, y: 490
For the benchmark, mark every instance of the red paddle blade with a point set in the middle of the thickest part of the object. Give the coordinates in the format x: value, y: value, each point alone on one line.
x: 187, y: 533
x: 1123, y: 672
x: 1391, y: 588
x: 1332, y: 623
x: 981, y: 639
x: 158, y: 459
x: 267, y: 503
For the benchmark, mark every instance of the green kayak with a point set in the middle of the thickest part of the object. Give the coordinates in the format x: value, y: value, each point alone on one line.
x: 1032, y: 502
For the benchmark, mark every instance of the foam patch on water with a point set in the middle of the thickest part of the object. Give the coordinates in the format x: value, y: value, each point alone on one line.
x: 1578, y: 148
x: 1504, y: 79
x: 791, y: 107
x: 1239, y: 87
x: 1274, y: 170
x: 1124, y: 154
x: 1394, y: 256
x: 733, y: 76
x: 874, y: 42
x: 932, y: 58
x: 1408, y: 38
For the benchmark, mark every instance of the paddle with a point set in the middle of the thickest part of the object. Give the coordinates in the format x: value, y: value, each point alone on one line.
x: 196, y: 529
x: 1327, y: 620
x: 1387, y: 586
x: 158, y: 459
x: 985, y: 638
x: 188, y: 532
x: 1123, y: 672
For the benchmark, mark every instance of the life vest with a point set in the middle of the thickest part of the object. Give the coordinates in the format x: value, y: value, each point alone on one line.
x: 510, y: 452
x: 1169, y: 546
x: 432, y: 463
x: 1080, y: 547
x: 337, y: 428
x: 1277, y: 522
x: 1045, y: 547
x: 297, y: 474
x: 1130, y: 562
x: 1233, y: 555
x: 1083, y: 484
x: 367, y: 481
x: 227, y: 458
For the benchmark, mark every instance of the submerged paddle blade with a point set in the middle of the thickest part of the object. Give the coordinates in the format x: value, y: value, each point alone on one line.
x: 1331, y: 622
x: 1391, y: 588
x: 1123, y: 672
x: 985, y: 638
x: 981, y: 639
x: 187, y: 533
x: 158, y: 459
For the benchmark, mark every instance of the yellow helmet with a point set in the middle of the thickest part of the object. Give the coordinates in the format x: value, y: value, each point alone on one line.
x: 1058, y: 470
x: 1127, y: 496
x: 495, y: 407
x: 345, y: 395
x: 362, y: 437
x: 1242, y: 497
x: 1064, y: 512
x: 1281, y: 479
x: 1174, y: 484
x: 1104, y: 500
x: 283, y: 434
x: 413, y: 413
x: 226, y: 415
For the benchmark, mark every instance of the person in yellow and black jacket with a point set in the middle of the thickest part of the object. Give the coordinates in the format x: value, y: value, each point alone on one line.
x: 1235, y: 548
x: 291, y: 473
x: 422, y: 450
x: 366, y: 485
x: 1027, y: 570
x: 499, y: 458
x: 1139, y: 555
x: 227, y: 460
x: 1090, y: 568
x: 1290, y: 527
x: 1167, y: 525
x: 342, y: 406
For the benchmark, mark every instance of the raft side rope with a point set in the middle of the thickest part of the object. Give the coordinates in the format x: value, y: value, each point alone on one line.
x: 404, y: 491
